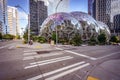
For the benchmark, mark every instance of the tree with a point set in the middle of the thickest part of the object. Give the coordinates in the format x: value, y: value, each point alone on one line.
x: 0, y: 35
x: 102, y: 39
x: 53, y: 37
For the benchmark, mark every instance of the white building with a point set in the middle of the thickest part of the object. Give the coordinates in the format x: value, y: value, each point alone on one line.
x: 13, y: 21
x: 3, y: 17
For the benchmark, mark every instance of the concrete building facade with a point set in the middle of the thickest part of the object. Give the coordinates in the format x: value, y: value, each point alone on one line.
x: 38, y: 13
x: 3, y: 17
x: 13, y: 21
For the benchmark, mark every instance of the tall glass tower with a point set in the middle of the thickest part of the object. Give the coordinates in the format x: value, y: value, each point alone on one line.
x: 38, y: 13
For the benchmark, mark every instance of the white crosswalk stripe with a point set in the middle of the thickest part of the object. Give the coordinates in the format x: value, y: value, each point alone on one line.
x: 39, y: 55
x: 35, y: 64
x: 27, y: 54
x: 66, y: 70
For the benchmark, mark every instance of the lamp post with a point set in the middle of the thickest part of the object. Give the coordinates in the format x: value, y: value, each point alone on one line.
x: 18, y: 6
x: 55, y: 22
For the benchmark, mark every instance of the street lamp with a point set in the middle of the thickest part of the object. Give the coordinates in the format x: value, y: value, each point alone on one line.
x: 54, y: 24
x: 18, y: 6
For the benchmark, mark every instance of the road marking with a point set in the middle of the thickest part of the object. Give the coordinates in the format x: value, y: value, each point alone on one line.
x: 6, y: 46
x: 92, y: 58
x: 55, y: 59
x: 49, y: 62
x: 67, y: 72
x: 56, y: 71
x: 32, y: 53
x: 89, y: 57
x: 11, y: 47
x: 41, y: 55
x: 92, y: 78
x: 108, y: 55
x: 59, y: 48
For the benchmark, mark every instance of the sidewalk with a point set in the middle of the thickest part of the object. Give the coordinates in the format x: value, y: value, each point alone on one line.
x: 109, y: 70
x: 34, y: 46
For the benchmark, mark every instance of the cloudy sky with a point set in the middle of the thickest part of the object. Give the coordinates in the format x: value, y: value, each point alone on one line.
x: 74, y: 5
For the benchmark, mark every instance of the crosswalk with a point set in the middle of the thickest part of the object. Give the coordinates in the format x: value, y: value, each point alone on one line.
x: 57, y: 57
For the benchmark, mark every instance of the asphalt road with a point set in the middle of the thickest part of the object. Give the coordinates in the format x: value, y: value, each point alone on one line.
x: 45, y: 62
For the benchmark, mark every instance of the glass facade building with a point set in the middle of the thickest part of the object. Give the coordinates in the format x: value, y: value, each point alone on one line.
x: 38, y: 13
x: 68, y: 25
x: 104, y: 11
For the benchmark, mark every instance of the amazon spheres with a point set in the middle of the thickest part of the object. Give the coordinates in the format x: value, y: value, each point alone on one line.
x: 67, y: 25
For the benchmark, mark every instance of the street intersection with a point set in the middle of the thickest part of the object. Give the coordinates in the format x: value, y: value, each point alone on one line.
x: 62, y: 62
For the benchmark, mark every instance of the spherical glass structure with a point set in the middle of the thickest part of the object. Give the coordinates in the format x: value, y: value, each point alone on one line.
x: 89, y: 25
x: 65, y: 25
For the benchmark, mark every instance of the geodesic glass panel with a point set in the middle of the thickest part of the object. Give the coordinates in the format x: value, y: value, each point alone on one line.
x: 63, y: 23
x: 89, y: 25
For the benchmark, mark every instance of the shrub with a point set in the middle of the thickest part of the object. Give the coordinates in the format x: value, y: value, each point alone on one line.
x: 17, y: 36
x: 114, y: 39
x: 41, y: 39
x: 102, y: 39
x: 92, y: 41
x: 8, y: 36
x: 63, y: 41
x: 76, y: 40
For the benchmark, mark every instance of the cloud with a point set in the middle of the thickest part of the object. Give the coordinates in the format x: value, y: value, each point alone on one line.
x: 23, y: 15
x: 23, y: 20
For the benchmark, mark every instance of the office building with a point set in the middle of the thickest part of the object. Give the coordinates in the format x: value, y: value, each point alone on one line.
x: 38, y: 13
x: 90, y: 6
x: 13, y: 21
x: 115, y: 16
x: 106, y: 11
x: 3, y: 17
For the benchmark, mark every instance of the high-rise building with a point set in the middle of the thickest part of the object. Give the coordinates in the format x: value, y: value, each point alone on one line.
x: 3, y: 17
x: 101, y: 10
x: 115, y: 15
x: 90, y: 2
x: 13, y: 21
x: 106, y: 11
x: 38, y: 13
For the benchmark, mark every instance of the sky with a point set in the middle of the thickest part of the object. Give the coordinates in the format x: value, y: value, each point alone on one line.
x: 75, y: 5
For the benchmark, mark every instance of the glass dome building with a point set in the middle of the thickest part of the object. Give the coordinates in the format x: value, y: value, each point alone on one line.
x: 67, y: 25
x: 89, y: 25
